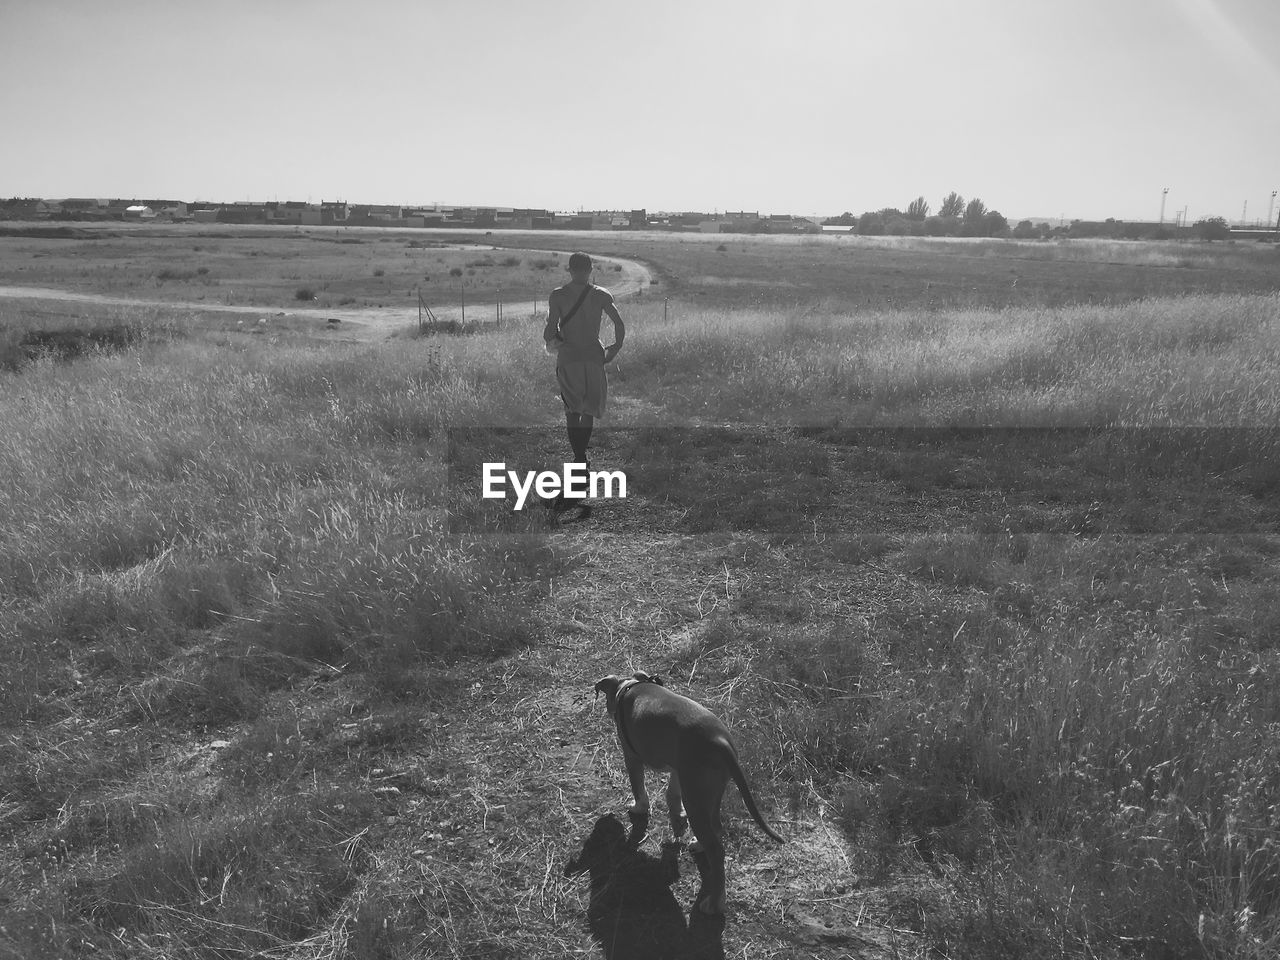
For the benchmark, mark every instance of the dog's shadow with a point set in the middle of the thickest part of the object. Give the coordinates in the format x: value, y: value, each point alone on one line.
x: 633, y: 914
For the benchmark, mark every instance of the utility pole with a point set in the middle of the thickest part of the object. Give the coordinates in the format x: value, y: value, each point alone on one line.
x: 1244, y: 212
x: 1163, y: 194
x: 1270, y: 206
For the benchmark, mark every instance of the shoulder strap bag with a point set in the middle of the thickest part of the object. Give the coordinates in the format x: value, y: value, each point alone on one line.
x: 569, y: 316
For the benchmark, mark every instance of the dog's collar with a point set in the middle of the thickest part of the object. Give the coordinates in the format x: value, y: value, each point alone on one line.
x: 624, y: 686
x: 630, y: 682
x: 617, y: 706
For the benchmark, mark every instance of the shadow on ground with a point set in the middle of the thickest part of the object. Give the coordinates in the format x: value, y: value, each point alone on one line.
x: 633, y: 914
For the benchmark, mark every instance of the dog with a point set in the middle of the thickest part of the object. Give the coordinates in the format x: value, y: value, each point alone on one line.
x: 664, y: 731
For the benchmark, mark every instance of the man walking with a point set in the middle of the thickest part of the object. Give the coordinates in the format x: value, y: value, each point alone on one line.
x: 572, y: 334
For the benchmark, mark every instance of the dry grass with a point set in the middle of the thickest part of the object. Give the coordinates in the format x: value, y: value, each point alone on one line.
x: 258, y: 698
x: 1192, y: 360
x: 273, y: 269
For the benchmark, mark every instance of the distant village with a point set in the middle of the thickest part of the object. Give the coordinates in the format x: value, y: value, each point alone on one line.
x: 340, y: 213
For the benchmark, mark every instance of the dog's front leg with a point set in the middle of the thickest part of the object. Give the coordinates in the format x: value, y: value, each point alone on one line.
x: 639, y: 812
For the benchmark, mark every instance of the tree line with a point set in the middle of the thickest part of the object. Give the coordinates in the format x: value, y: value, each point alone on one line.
x: 957, y: 217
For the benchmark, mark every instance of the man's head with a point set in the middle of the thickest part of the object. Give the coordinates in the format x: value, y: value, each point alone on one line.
x: 579, y: 266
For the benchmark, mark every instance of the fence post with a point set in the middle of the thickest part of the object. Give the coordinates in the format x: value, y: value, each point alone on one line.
x: 665, y: 301
x: 463, y: 288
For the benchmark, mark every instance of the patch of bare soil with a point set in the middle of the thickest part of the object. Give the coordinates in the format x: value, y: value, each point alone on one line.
x: 504, y: 784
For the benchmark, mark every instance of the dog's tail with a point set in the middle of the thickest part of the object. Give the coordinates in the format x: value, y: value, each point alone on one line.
x: 735, y: 770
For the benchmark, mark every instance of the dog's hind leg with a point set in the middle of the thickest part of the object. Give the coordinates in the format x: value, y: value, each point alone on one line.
x: 675, y: 807
x: 707, y: 787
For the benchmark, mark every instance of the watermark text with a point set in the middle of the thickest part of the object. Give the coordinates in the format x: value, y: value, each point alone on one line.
x: 574, y: 481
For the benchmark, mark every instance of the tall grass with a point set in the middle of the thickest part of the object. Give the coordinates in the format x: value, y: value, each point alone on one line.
x: 186, y: 527
x: 1155, y: 253
x: 212, y: 481
x: 1191, y: 360
x: 1079, y: 733
x: 1150, y: 253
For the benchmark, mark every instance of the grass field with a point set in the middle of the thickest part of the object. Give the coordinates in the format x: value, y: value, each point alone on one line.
x: 859, y: 273
x: 278, y: 683
x: 275, y: 268
x: 267, y: 267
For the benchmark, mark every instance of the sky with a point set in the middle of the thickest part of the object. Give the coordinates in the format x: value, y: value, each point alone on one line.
x: 1041, y: 108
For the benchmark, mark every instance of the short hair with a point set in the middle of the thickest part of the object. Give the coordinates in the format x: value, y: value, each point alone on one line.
x: 579, y: 261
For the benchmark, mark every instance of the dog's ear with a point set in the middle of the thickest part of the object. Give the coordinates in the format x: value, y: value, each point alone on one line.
x: 641, y: 676
x: 608, y: 686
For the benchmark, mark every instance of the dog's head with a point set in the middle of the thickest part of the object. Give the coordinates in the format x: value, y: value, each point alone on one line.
x: 610, y: 685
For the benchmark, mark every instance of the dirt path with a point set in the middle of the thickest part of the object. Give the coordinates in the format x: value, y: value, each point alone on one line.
x: 532, y: 743
x: 366, y: 323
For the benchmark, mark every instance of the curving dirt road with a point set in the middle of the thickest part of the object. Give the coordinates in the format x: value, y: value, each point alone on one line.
x: 366, y: 323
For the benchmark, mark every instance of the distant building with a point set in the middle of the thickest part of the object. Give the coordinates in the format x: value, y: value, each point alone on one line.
x: 786, y: 223
x: 83, y: 208
x: 334, y: 211
x: 296, y: 212
x: 424, y: 217
x: 243, y: 213
x: 373, y: 214
x: 117, y: 208
x: 31, y: 208
x: 139, y: 211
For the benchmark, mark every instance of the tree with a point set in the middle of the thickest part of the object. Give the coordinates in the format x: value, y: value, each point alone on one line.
x: 975, y: 209
x: 952, y: 205
x: 1212, y: 228
x: 917, y: 209
x: 994, y: 224
x: 897, y: 226
x: 1025, y: 230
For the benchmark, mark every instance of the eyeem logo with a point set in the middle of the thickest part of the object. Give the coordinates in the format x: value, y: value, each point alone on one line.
x: 574, y: 481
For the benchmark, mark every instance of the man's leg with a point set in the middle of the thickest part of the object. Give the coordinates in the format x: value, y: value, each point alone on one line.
x: 578, y: 426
